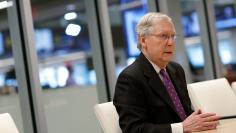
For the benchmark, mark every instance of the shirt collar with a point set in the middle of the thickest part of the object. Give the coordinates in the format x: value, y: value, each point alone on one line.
x: 157, y: 68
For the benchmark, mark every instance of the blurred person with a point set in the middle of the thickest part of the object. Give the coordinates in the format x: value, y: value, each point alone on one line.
x: 70, y: 80
x: 10, y: 82
x: 151, y: 94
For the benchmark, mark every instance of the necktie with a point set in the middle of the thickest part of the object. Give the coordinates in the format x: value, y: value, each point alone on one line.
x: 173, y: 94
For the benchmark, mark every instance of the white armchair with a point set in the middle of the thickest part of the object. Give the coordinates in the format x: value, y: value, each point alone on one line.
x: 213, y: 96
x: 108, y: 117
x: 7, y: 124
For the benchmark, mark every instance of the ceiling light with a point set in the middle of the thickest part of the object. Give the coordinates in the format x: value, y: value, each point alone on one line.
x: 73, y: 29
x: 70, y: 16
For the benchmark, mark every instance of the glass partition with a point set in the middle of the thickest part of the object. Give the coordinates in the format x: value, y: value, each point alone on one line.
x: 225, y: 23
x: 66, y: 70
x: 9, y: 96
x: 124, y: 15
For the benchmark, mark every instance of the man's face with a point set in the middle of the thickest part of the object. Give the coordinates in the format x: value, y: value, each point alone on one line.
x: 159, y: 46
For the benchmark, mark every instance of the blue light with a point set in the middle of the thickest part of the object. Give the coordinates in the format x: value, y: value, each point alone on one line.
x: 1, y: 44
x: 227, y: 23
x: 196, y: 56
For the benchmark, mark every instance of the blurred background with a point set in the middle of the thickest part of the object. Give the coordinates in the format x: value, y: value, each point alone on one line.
x: 80, y: 44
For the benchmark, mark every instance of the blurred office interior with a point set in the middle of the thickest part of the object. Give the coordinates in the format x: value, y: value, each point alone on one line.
x: 58, y: 58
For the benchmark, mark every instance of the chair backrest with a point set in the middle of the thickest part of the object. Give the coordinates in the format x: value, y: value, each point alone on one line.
x: 7, y: 124
x: 108, y: 117
x: 214, y: 96
x: 233, y: 85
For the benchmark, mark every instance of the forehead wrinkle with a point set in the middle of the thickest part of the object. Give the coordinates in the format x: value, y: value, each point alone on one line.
x: 165, y: 32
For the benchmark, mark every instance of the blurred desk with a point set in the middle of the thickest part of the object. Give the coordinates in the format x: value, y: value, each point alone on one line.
x: 225, y: 126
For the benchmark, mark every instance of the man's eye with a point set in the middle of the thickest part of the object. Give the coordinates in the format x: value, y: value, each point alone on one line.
x: 164, y: 36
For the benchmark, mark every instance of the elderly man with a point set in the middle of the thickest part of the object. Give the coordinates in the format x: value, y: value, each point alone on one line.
x: 151, y: 94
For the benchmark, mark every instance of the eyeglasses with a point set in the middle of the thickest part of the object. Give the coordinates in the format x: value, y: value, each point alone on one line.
x: 165, y: 37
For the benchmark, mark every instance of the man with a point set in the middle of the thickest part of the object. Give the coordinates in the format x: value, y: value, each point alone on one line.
x: 151, y: 94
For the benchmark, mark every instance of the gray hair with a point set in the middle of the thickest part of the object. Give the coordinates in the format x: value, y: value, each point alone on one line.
x: 145, y: 25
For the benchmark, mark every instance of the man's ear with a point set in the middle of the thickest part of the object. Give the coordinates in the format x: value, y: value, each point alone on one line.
x: 143, y: 42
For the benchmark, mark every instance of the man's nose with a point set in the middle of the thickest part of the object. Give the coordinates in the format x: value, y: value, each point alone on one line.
x: 170, y: 41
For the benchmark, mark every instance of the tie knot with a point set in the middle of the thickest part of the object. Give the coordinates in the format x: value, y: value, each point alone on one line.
x: 163, y: 72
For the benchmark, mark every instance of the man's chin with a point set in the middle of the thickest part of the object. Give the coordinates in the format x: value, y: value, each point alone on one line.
x: 167, y: 59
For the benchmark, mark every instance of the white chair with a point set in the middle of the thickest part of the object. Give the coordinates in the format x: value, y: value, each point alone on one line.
x: 7, y: 124
x: 233, y: 85
x: 108, y: 117
x: 213, y: 96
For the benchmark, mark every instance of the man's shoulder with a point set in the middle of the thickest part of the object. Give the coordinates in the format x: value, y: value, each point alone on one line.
x: 133, y: 70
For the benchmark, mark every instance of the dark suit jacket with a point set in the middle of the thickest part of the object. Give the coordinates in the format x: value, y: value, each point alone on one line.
x: 142, y: 101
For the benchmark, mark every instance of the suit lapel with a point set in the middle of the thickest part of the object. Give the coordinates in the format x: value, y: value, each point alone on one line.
x: 155, y: 82
x: 159, y: 88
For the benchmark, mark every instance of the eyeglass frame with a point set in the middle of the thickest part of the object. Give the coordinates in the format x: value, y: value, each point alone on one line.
x: 165, y: 36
